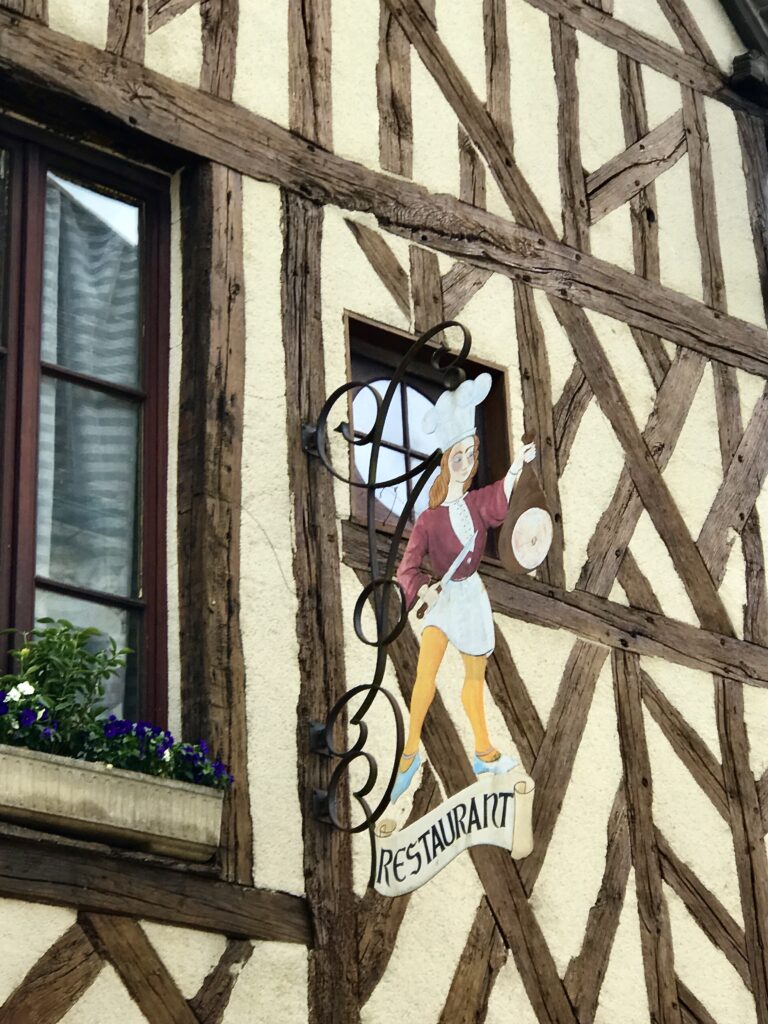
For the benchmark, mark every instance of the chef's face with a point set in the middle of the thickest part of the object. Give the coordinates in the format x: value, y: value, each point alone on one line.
x: 461, y: 461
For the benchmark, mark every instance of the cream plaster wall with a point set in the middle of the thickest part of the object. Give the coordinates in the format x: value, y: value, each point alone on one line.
x: 647, y: 17
x: 718, y: 30
x: 29, y: 930
x: 86, y: 22
x: 106, y: 999
x: 261, y: 75
x: 176, y: 49
x: 355, y: 49
x: 267, y: 589
x: 189, y: 955
x: 272, y: 987
x: 623, y: 989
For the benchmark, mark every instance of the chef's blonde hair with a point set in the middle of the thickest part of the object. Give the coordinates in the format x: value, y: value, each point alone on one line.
x: 439, y: 489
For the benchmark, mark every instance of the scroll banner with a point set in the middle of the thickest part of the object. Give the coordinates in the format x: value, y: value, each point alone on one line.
x: 497, y: 810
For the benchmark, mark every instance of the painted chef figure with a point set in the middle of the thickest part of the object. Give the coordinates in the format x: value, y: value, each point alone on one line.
x: 451, y: 533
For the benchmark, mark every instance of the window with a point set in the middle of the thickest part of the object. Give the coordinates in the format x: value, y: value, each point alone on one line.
x: 374, y: 353
x: 83, y: 380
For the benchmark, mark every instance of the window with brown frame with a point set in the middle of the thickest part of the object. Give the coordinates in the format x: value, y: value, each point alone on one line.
x: 374, y: 353
x: 83, y: 401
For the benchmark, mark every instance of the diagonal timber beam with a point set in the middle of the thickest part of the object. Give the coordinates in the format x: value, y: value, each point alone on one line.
x: 687, y: 30
x: 482, y: 958
x: 459, y: 284
x: 216, y: 129
x: 622, y: 177
x: 385, y: 263
x: 160, y: 12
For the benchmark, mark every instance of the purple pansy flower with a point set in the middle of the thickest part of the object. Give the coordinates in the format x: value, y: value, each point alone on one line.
x: 26, y: 718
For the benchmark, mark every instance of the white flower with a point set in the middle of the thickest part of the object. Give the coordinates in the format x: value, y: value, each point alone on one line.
x: 167, y: 755
x: 14, y: 694
x: 40, y: 714
x: 27, y: 689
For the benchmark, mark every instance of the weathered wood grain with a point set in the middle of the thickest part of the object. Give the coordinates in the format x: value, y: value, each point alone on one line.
x: 231, y: 135
x: 511, y: 697
x: 459, y: 285
x: 426, y: 289
x: 125, y: 945
x: 604, y: 622
x: 655, y: 931
x: 160, y: 12
x: 471, y: 172
x: 567, y: 413
x: 33, y: 869
x: 379, y: 917
x: 748, y: 835
x: 601, y: 5
x: 36, y: 9
x: 57, y: 981
x: 704, y: 200
x: 210, y: 485
x: 309, y: 70
x: 756, y: 608
x: 482, y: 958
x: 385, y: 263
x: 497, y: 871
x: 472, y: 114
x: 393, y: 91
x: 538, y: 418
x: 333, y: 982
x: 573, y: 188
x: 738, y: 492
x: 637, y: 586
x: 497, y: 67
x: 586, y: 971
x: 687, y: 744
x: 686, y: 29
x: 220, y: 19
x: 754, y: 159
x: 617, y: 523
x: 210, y: 1003
x: 126, y: 29
x: 627, y: 174
x: 684, y: 68
x: 692, y: 1010
x: 705, y: 908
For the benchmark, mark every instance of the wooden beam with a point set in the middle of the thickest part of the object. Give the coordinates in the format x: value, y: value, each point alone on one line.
x: 704, y: 199
x: 61, y: 976
x: 708, y: 912
x: 497, y: 67
x: 511, y: 697
x: 655, y: 931
x: 379, y: 917
x: 573, y: 188
x: 687, y: 744
x: 748, y: 836
x: 210, y: 1003
x: 585, y: 973
x: 603, y: 622
x: 471, y: 172
x: 309, y: 70
x: 231, y: 135
x: 567, y: 413
x: 209, y: 488
x: 538, y: 418
x: 686, y: 29
x: 125, y: 945
x: 333, y: 982
x: 126, y: 29
x: 160, y: 12
x: 70, y: 876
x: 426, y: 289
x: 754, y: 159
x: 385, y: 263
x: 393, y: 91
x: 687, y: 70
x: 35, y: 9
x: 482, y: 958
x: 692, y: 1010
x: 459, y: 285
x: 220, y: 19
x: 627, y: 174
x: 637, y: 586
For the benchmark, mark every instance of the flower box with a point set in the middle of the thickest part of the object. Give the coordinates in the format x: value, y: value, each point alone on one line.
x: 93, y: 800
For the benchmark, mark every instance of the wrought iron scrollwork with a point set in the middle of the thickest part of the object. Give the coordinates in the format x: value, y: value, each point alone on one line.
x: 383, y: 593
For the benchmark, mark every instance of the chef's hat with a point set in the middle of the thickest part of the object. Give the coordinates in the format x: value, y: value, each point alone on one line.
x: 452, y: 417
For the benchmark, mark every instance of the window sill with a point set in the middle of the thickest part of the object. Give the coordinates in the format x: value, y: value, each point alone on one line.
x: 96, y: 802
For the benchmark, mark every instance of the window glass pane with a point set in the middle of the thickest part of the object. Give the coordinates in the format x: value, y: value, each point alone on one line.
x: 120, y: 624
x: 418, y: 405
x: 364, y: 412
x: 87, y: 488
x: 91, y: 283
x: 391, y: 500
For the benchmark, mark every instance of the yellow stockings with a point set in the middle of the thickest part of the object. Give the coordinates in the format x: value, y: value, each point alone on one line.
x: 433, y: 645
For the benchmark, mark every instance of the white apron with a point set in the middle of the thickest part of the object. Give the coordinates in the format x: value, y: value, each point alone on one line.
x: 463, y: 610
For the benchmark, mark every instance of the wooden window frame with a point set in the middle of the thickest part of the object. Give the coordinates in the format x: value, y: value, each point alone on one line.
x: 495, y: 459
x: 32, y: 152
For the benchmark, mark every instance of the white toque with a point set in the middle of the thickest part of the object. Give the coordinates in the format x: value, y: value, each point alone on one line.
x: 452, y: 418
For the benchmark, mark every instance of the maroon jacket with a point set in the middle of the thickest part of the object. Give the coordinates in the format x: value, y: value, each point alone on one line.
x: 433, y: 535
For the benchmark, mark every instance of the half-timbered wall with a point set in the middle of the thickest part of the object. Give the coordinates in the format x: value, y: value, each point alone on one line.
x: 619, y: 279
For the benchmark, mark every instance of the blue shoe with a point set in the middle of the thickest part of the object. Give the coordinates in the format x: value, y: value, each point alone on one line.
x: 500, y: 766
x: 404, y: 779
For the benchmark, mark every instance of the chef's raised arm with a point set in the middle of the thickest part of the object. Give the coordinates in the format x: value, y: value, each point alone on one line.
x: 526, y: 454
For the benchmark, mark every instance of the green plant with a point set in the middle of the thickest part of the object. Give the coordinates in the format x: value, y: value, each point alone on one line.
x: 54, y: 702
